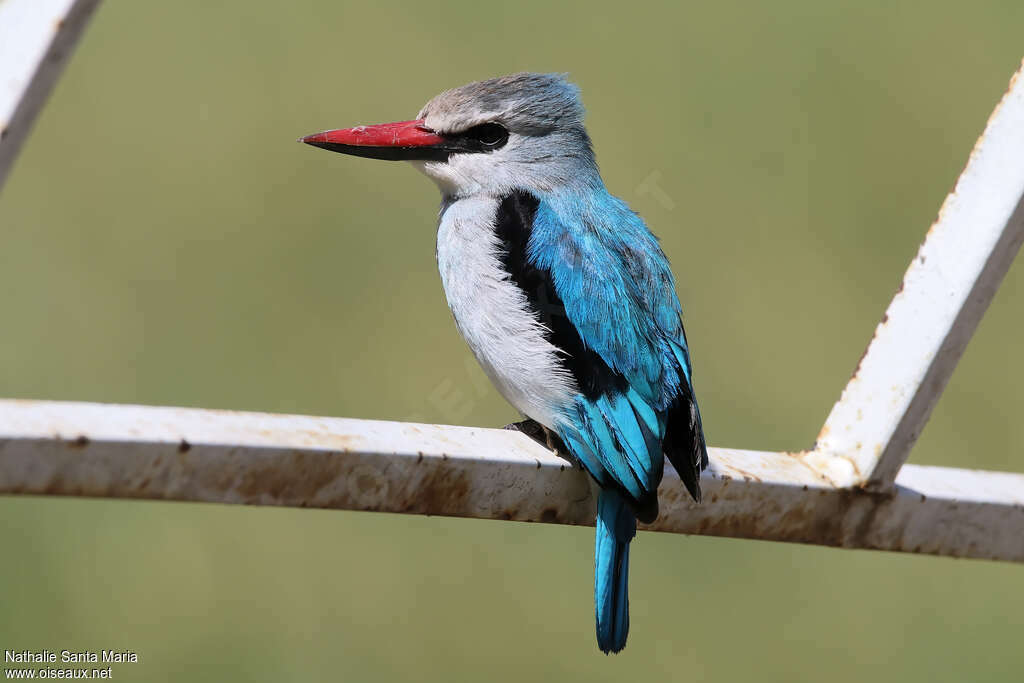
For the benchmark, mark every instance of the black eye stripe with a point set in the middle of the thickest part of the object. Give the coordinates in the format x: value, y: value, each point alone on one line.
x: 485, y: 137
x: 490, y: 134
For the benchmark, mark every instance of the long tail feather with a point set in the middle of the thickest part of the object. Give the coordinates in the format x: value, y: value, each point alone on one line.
x: 616, y: 526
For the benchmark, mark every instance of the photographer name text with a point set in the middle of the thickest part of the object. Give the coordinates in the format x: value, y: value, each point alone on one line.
x: 70, y: 656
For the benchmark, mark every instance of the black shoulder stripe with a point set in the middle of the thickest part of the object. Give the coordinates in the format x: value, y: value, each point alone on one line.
x: 513, y: 225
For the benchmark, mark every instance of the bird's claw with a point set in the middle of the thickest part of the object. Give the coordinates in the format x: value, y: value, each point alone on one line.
x: 544, y: 436
x: 532, y: 428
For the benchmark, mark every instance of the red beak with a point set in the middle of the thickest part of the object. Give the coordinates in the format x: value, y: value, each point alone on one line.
x: 401, y: 141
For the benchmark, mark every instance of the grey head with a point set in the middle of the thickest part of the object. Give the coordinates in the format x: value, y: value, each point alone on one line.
x: 518, y: 132
x: 531, y: 127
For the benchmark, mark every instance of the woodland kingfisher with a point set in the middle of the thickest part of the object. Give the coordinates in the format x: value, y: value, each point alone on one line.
x: 526, y: 229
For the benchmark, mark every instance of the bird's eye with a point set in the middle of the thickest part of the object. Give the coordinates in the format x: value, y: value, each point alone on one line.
x: 490, y: 135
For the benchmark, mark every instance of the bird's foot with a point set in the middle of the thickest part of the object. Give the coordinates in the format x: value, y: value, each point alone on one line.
x: 532, y: 428
x: 544, y: 436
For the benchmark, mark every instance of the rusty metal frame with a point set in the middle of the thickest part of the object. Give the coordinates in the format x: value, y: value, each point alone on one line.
x: 851, y: 490
x: 36, y: 39
x: 111, y: 451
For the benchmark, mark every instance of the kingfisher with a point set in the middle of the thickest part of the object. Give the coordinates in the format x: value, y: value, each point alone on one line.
x: 561, y: 292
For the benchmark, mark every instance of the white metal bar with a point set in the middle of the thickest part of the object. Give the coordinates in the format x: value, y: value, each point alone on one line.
x: 946, y: 290
x: 36, y: 39
x: 110, y: 451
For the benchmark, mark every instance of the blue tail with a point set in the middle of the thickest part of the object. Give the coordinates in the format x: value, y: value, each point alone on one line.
x: 616, y: 527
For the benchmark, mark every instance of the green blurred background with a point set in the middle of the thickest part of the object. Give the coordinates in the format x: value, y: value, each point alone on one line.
x: 166, y: 241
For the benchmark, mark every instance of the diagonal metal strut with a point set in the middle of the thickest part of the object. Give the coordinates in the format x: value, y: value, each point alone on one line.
x: 37, y: 38
x: 944, y: 293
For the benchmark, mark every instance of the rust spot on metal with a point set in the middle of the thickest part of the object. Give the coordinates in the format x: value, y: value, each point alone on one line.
x: 856, y: 370
x: 549, y: 515
x: 444, y: 490
x: 300, y: 477
x: 184, y: 446
x: 81, y: 442
x: 850, y: 521
x: 885, y: 317
x: 419, y: 458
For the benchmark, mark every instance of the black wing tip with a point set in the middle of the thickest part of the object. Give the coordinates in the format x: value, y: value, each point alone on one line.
x: 689, y: 461
x: 684, y: 441
x: 693, y: 487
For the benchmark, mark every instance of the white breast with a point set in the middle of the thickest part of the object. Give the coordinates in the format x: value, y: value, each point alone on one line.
x: 493, y: 314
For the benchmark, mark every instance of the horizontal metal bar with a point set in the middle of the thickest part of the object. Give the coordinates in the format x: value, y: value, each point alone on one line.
x: 36, y: 40
x: 111, y: 451
x: 944, y: 294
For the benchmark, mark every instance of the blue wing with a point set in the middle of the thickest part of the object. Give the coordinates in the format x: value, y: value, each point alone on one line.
x: 600, y: 283
x: 629, y: 353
